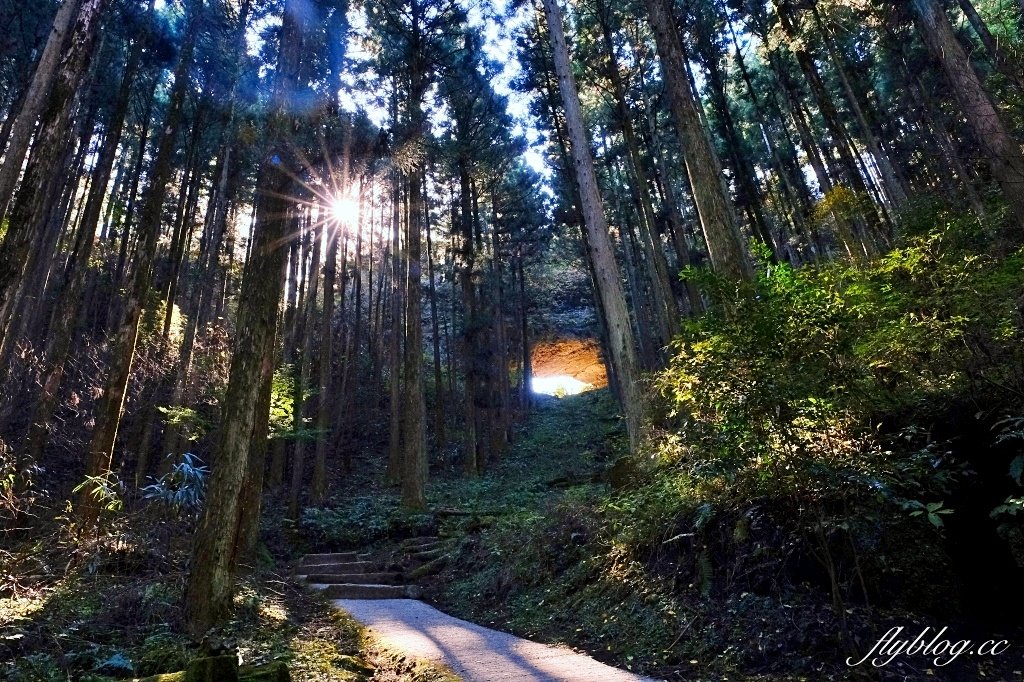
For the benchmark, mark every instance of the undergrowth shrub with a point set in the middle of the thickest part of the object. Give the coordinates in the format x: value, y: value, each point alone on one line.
x: 789, y: 454
x: 777, y: 387
x: 800, y: 498
x: 362, y: 521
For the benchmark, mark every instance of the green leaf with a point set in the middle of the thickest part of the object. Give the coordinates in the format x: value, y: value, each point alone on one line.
x: 1017, y: 468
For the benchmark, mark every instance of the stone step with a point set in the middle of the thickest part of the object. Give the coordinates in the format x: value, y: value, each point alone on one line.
x: 354, y: 591
x: 313, y: 559
x: 425, y: 547
x: 412, y: 543
x: 354, y: 578
x: 336, y: 567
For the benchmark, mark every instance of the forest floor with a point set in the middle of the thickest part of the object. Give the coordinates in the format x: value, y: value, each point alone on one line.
x: 567, y: 448
x: 527, y: 551
x: 119, y: 618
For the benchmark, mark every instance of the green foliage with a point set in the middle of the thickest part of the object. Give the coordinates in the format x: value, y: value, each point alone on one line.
x: 566, y: 578
x: 106, y: 489
x: 932, y: 511
x: 841, y: 203
x: 1008, y: 514
x: 18, y: 489
x: 777, y: 385
x: 180, y: 489
x: 282, y: 407
x: 117, y: 664
x: 1012, y: 506
x: 190, y: 423
x: 791, y: 487
x: 1013, y: 430
x: 282, y: 392
x: 361, y: 521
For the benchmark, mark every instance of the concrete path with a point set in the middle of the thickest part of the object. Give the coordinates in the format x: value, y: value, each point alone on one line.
x: 474, y: 653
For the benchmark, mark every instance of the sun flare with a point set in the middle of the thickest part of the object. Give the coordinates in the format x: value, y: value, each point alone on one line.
x: 344, y: 210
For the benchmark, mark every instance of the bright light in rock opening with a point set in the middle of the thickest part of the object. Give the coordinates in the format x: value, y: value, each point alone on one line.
x: 345, y: 211
x: 560, y: 385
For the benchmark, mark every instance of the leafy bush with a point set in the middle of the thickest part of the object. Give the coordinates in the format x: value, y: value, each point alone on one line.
x: 282, y: 407
x: 107, y: 489
x: 190, y: 424
x: 362, y: 521
x: 18, y: 489
x: 779, y: 385
x: 803, y: 496
x: 790, y: 412
x: 180, y: 489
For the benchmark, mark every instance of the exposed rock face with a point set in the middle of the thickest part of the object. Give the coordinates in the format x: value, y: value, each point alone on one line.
x: 579, y: 359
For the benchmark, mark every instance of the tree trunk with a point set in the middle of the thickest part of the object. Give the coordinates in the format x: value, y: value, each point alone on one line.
x: 997, y: 55
x: 667, y: 311
x: 29, y: 300
x: 126, y: 223
x: 526, y: 397
x: 394, y: 469
x: 210, y: 586
x: 670, y: 200
x: 501, y: 435
x: 414, y: 465
x: 1003, y: 152
x: 648, y: 344
x: 830, y: 115
x: 70, y: 16
x: 439, y: 406
x: 319, y: 487
x: 725, y: 244
x: 472, y: 464
x: 108, y: 412
x: 609, y: 287
x: 306, y: 332
x: 748, y: 191
x: 202, y: 294
x: 183, y: 225
x: 892, y: 186
x: 58, y: 342
x: 31, y: 208
x: 790, y: 176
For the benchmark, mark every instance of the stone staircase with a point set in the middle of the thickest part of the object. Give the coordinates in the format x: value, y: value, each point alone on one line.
x: 361, y: 575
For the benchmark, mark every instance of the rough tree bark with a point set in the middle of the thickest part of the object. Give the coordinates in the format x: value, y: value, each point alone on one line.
x: 306, y: 332
x: 725, y: 244
x: 394, y: 468
x: 58, y: 343
x: 667, y: 310
x: 1002, y: 62
x: 319, y: 487
x: 108, y: 412
x: 435, y: 332
x: 40, y: 185
x: 210, y: 585
x: 609, y: 288
x: 1002, y: 151
x: 35, y: 96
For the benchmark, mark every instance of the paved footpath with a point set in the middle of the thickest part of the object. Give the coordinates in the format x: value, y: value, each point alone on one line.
x: 475, y: 653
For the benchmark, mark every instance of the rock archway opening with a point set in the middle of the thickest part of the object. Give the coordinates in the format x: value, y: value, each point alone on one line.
x: 567, y: 367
